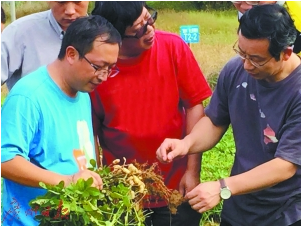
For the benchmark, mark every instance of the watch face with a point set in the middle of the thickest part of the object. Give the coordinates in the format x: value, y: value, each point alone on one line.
x: 225, y: 193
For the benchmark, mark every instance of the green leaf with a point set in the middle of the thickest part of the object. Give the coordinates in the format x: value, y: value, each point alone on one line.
x: 88, y: 182
x: 93, y: 163
x: 93, y: 191
x: 42, y: 185
x: 116, y: 195
x: 61, y: 184
x: 80, y: 184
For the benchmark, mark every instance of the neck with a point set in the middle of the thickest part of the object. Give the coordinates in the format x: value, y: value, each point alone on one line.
x: 128, y: 53
x: 289, y: 66
x: 58, y: 71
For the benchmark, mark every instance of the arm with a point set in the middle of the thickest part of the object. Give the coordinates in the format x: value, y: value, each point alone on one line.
x: 192, y: 116
x: 97, y: 151
x: 11, y: 52
x: 24, y: 172
x: 203, y: 137
x: 191, y: 177
x: 207, y: 195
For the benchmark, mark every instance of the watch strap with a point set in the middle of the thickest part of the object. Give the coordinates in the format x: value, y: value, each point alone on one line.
x: 222, y: 183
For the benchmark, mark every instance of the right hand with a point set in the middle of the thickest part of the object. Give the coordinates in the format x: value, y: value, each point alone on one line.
x: 171, y: 149
x: 86, y: 174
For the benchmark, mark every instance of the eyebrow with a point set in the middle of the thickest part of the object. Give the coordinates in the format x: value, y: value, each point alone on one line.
x: 254, y: 56
x: 140, y: 21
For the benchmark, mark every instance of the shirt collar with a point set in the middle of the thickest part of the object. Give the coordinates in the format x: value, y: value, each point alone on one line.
x: 55, y: 25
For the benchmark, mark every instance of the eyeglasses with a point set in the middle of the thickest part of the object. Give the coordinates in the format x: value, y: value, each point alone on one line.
x: 143, y: 29
x: 252, y: 3
x: 244, y: 57
x: 99, y: 71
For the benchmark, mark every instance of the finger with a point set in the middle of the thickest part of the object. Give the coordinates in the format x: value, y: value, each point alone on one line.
x: 97, y: 180
x: 191, y: 195
x: 161, y: 157
x: 182, y: 190
x: 163, y: 150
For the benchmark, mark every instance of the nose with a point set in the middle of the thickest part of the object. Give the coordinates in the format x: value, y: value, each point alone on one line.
x: 70, y: 8
x: 149, y: 28
x: 102, y: 78
x: 247, y: 65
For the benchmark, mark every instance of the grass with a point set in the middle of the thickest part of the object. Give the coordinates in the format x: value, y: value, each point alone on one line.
x: 217, y: 35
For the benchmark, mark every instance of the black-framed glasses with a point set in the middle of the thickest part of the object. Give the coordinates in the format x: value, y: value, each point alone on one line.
x: 244, y: 57
x: 99, y: 71
x: 252, y: 3
x: 143, y: 29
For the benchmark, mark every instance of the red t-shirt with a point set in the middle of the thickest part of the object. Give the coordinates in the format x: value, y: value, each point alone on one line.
x: 144, y: 104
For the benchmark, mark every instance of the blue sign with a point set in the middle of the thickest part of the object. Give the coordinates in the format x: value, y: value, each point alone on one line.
x: 190, y: 33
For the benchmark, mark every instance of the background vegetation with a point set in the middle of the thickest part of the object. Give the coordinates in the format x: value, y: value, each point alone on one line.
x: 217, y: 24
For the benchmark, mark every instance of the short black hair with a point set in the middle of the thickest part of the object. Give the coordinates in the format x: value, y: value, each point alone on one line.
x: 3, y: 17
x: 83, y: 31
x: 271, y: 22
x: 120, y: 14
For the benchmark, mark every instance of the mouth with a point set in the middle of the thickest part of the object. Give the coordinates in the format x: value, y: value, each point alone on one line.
x: 150, y: 39
x: 94, y: 85
x: 252, y: 74
x: 69, y: 21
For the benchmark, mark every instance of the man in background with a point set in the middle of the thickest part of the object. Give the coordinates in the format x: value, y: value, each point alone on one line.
x: 293, y: 8
x: 35, y: 40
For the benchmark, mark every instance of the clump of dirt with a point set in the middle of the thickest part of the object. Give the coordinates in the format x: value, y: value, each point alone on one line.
x: 156, y: 188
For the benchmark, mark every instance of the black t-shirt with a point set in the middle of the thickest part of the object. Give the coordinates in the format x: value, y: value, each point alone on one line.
x: 266, y: 122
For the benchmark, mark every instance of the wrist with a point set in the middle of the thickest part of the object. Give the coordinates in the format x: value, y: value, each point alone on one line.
x: 225, y: 191
x: 68, y: 179
x: 187, y: 144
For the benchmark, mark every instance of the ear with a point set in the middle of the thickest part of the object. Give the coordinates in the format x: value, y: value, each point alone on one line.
x: 71, y: 54
x: 287, y: 53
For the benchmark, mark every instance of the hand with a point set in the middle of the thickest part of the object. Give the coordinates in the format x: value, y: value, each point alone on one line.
x: 205, y: 196
x: 86, y: 174
x: 171, y: 149
x: 188, y: 182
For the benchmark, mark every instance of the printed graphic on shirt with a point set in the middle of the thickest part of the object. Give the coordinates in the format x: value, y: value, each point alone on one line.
x: 269, y: 135
x: 85, y: 153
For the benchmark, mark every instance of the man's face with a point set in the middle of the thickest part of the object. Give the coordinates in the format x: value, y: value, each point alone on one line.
x: 256, y: 53
x: 147, y: 39
x: 243, y: 6
x: 103, y: 56
x: 66, y: 12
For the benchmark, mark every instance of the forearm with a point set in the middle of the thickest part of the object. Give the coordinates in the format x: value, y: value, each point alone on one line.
x: 97, y: 151
x: 24, y: 172
x: 193, y: 115
x: 204, y: 136
x: 262, y: 176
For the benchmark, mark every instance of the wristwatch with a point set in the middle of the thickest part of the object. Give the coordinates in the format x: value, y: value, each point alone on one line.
x: 225, y: 192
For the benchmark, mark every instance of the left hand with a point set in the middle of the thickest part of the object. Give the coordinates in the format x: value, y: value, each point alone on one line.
x: 188, y: 181
x: 205, y: 196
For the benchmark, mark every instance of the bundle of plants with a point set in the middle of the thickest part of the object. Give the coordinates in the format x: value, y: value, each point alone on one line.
x: 126, y: 187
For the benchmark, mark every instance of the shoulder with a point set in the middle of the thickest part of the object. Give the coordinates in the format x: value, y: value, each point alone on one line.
x: 169, y: 38
x: 32, y: 17
x: 22, y: 24
x: 233, y: 67
x: 29, y: 85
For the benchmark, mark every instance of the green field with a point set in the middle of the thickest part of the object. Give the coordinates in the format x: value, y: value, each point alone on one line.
x: 217, y: 35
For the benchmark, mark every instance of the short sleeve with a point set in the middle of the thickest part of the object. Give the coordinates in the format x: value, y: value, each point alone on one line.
x: 289, y: 146
x: 19, y: 126
x: 11, y: 52
x: 193, y: 87
x: 218, y: 109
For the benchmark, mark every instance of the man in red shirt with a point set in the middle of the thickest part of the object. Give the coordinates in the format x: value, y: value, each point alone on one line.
x: 157, y: 94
